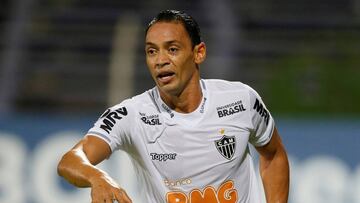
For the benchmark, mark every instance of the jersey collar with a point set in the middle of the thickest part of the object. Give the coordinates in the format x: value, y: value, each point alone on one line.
x: 171, y: 114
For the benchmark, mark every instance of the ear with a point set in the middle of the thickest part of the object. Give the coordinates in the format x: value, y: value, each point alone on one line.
x: 199, y: 53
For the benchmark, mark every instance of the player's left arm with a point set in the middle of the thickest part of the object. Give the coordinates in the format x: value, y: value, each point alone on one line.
x: 274, y: 169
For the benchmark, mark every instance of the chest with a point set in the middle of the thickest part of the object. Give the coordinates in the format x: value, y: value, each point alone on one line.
x: 214, y: 140
x: 182, y: 151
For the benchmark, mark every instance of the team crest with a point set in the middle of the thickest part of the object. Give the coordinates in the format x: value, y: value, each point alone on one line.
x: 226, y: 146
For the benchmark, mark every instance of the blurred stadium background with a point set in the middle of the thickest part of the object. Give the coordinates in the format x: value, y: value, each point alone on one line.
x: 63, y: 62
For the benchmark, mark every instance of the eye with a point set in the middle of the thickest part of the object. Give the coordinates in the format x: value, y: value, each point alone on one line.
x: 173, y: 50
x: 151, y: 51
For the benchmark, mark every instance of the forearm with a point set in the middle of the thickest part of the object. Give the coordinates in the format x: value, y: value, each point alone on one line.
x: 75, y: 168
x: 275, y: 176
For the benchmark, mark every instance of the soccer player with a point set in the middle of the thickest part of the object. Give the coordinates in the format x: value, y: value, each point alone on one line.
x: 188, y: 137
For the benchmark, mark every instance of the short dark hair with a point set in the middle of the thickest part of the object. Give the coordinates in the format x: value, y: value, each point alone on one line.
x: 189, y: 23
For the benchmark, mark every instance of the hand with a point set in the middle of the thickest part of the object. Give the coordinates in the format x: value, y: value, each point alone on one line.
x: 105, y: 190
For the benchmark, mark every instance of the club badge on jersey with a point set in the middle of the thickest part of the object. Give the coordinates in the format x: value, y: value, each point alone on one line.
x: 226, y: 145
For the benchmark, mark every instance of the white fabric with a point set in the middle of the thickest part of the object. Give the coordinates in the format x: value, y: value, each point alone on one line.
x: 177, y: 156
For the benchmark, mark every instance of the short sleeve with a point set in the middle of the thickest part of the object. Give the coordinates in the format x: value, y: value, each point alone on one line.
x: 113, y: 126
x: 261, y: 119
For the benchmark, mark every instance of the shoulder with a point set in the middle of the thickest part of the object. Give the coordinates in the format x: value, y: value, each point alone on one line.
x: 218, y: 85
x: 234, y: 90
x: 124, y: 113
x: 136, y: 103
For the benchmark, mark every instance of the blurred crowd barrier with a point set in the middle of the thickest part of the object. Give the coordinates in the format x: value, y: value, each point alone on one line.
x: 61, y: 58
x: 325, y: 166
x: 302, y: 56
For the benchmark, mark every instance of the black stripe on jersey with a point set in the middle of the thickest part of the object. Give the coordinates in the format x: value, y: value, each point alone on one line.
x: 226, y: 152
x: 203, y: 84
x: 152, y: 97
x: 222, y: 149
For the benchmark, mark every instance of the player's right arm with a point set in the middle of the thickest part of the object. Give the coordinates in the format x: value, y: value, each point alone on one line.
x: 78, y: 167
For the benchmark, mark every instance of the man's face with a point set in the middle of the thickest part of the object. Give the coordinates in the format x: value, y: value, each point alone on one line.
x: 170, y: 57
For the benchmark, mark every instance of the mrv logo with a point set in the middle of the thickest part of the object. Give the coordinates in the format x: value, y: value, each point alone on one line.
x: 110, y: 118
x: 259, y: 107
x: 230, y: 109
x: 150, y: 120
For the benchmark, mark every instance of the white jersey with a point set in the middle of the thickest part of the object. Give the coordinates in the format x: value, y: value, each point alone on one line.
x: 197, y: 157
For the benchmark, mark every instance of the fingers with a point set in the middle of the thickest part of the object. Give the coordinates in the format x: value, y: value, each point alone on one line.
x: 105, y: 190
x: 109, y: 197
x: 122, y: 197
x: 102, y: 199
x: 107, y: 200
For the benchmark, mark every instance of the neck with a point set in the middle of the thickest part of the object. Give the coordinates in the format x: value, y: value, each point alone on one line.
x: 187, y: 101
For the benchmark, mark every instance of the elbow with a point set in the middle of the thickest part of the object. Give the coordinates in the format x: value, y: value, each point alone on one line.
x: 62, y: 165
x: 60, y: 168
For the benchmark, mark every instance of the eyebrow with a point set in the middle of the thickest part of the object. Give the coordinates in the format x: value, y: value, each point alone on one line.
x: 166, y: 42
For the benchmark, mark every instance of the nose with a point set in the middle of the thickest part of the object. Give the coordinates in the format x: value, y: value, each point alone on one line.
x: 162, y: 59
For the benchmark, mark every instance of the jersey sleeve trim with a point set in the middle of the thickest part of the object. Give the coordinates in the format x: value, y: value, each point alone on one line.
x: 103, y: 137
x: 262, y: 122
x: 267, y: 139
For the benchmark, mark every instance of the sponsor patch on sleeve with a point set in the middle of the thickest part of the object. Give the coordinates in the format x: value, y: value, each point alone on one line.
x: 261, y: 110
x: 110, y: 117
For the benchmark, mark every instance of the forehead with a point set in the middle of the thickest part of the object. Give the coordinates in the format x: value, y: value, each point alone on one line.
x: 167, y: 31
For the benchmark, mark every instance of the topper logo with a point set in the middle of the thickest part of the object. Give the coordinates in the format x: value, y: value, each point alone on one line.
x: 225, y: 194
x: 163, y: 157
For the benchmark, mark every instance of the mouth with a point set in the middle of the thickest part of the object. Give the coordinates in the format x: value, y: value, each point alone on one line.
x: 165, y: 76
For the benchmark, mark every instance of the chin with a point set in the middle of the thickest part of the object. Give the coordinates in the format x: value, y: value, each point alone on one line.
x: 169, y: 89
